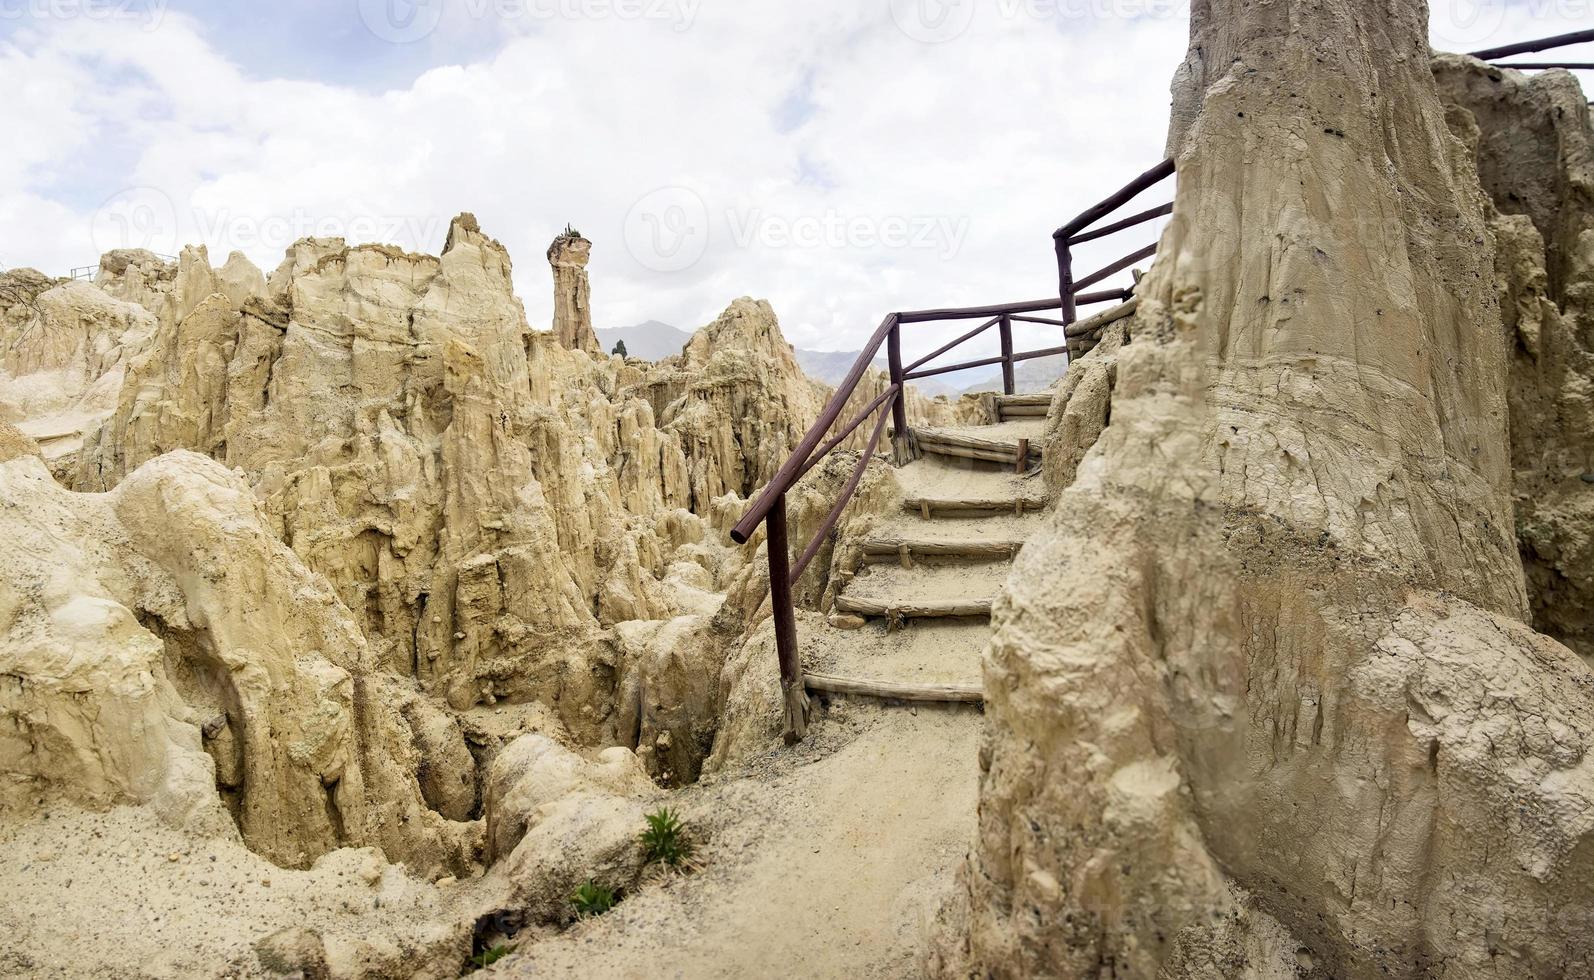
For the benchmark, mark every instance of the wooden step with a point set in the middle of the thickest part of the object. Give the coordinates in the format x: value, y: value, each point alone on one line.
x: 889, y: 690
x: 939, y: 487
x: 926, y: 591
x: 886, y: 608
x: 1007, y: 412
x: 973, y: 447
x: 929, y: 507
x: 1028, y: 406
x: 905, y: 550
x: 1000, y: 443
x: 990, y: 537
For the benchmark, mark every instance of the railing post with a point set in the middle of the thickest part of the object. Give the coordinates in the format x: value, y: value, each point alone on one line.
x: 1008, y: 387
x: 792, y: 689
x: 1065, y: 283
x: 901, y: 445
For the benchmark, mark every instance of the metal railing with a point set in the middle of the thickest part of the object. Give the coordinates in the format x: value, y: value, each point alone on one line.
x: 90, y: 271
x: 769, y: 507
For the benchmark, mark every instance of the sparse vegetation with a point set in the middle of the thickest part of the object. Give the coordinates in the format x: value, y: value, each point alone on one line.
x: 665, y: 841
x: 593, y: 899
x: 569, y: 232
x: 488, y: 957
x: 619, y: 348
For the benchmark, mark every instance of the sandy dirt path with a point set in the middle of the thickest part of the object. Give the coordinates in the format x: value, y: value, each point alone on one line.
x: 825, y: 868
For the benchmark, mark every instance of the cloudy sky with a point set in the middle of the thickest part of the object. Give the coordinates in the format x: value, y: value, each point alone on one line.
x: 841, y: 158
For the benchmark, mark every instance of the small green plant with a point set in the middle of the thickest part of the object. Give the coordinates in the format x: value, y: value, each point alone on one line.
x: 665, y: 841
x: 488, y: 957
x: 619, y: 348
x: 593, y: 899
x: 569, y: 232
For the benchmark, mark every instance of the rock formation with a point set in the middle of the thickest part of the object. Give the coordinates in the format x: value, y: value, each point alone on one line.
x: 1534, y: 145
x: 315, y: 524
x: 63, y: 347
x: 1263, y: 701
x: 163, y: 647
x: 572, y: 293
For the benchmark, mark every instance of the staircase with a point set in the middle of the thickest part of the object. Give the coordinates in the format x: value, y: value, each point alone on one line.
x: 930, y: 574
x: 913, y: 619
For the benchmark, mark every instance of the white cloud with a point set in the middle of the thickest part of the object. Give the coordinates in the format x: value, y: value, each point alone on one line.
x: 830, y: 161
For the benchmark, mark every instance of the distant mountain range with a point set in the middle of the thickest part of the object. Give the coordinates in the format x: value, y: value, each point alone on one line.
x: 654, y: 341
x: 651, y: 341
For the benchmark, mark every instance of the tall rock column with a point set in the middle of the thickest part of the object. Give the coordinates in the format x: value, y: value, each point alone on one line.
x: 1262, y: 701
x: 572, y: 293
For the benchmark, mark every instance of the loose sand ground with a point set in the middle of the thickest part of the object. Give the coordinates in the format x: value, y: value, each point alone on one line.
x: 818, y: 867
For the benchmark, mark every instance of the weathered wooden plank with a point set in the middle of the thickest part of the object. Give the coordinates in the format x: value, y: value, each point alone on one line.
x: 891, y: 690
x: 963, y: 452
x: 993, y: 452
x: 1041, y: 398
x: 1009, y: 447
x: 913, y: 609
x: 1025, y: 411
x: 1091, y: 324
x: 954, y: 506
x: 890, y: 547
x: 1528, y: 47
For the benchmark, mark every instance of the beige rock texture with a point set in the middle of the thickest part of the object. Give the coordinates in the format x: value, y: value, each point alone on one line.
x: 488, y: 503
x: 1534, y: 146
x: 469, y: 487
x: 739, y: 403
x: 381, y: 444
x: 164, y: 648
x: 556, y: 820
x: 1263, y: 701
x: 63, y: 348
x: 572, y: 293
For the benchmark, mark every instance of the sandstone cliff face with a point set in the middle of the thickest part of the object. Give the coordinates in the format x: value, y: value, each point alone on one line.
x: 500, y: 518
x: 162, y: 645
x: 467, y: 486
x: 62, y: 357
x: 1262, y: 701
x: 1534, y: 146
x: 739, y: 402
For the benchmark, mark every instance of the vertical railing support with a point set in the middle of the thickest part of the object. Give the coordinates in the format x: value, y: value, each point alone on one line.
x: 1008, y: 386
x: 901, y: 442
x: 1065, y: 285
x: 792, y: 688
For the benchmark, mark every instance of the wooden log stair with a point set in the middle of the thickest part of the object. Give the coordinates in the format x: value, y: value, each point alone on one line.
x: 928, y: 576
